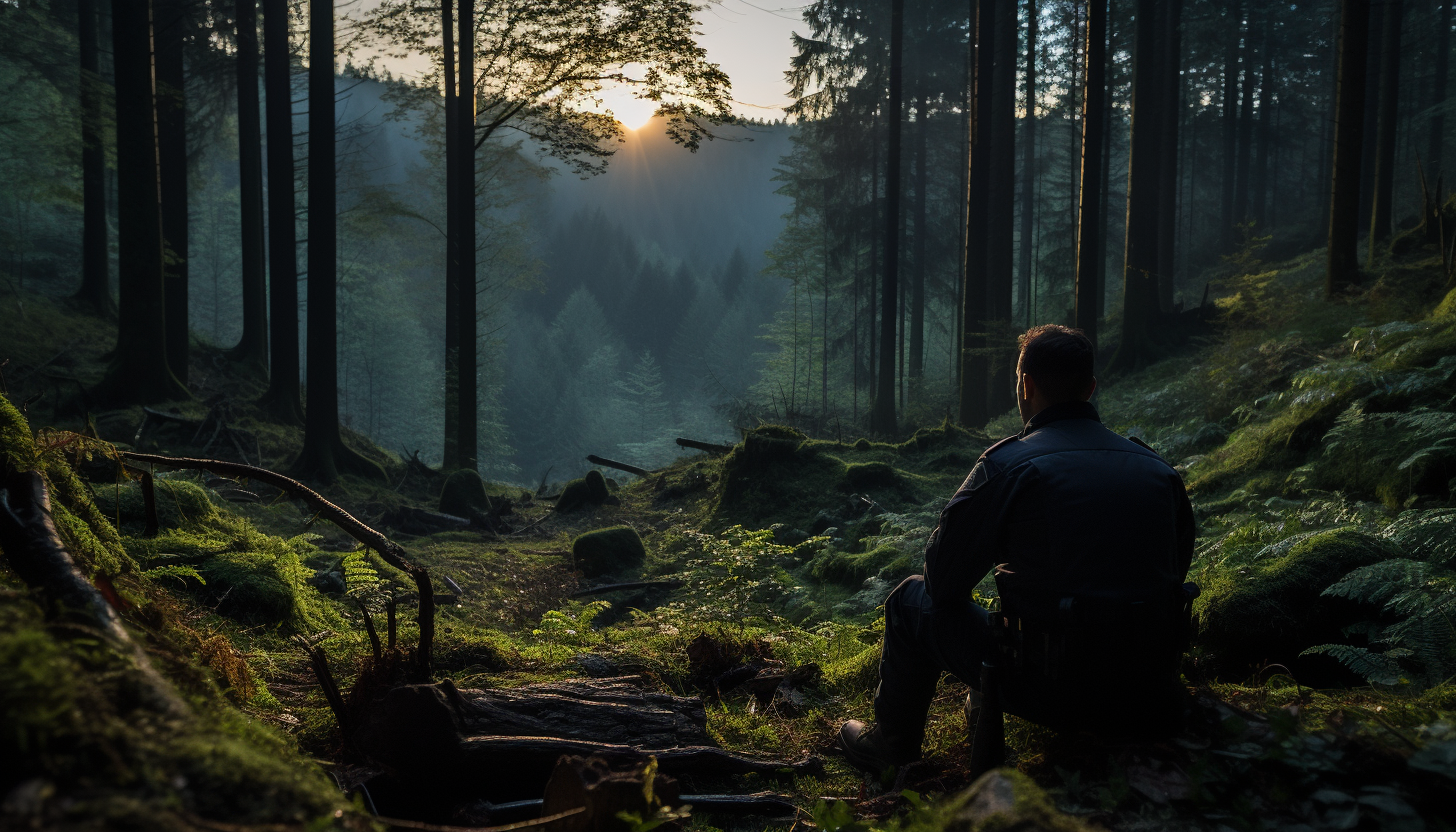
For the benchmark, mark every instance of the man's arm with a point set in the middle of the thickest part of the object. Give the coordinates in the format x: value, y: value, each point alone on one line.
x: 1187, y: 530
x: 962, y: 549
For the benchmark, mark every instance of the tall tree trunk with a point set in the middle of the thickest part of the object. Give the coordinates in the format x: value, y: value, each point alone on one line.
x: 1089, y: 222
x: 1000, y: 245
x: 1385, y: 134
x: 1440, y: 71
x: 138, y: 373
x: 1327, y: 134
x: 282, y: 399
x: 1369, y: 142
x: 1028, y: 159
x: 1172, y: 60
x: 1266, y: 118
x: 824, y: 312
x: 882, y: 413
x: 465, y: 233
x: 1246, y: 131
x: 974, y: 409
x: 452, y: 241
x: 95, y: 291
x: 875, y: 229
x: 1140, y: 254
x: 252, y: 348
x: 172, y: 167
x: 1104, y: 214
x: 324, y: 455
x: 1344, y: 264
x: 1227, y: 217
x: 917, y: 290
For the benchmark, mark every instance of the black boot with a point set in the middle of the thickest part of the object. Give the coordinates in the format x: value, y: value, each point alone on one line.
x: 868, y: 748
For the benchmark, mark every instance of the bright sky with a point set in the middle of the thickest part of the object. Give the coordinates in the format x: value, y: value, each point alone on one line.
x: 749, y: 39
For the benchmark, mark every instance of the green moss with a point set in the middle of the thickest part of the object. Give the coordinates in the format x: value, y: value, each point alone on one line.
x: 588, y: 492
x: 853, y: 569
x: 463, y: 494
x: 1446, y: 308
x: 180, y: 504
x: 944, y: 434
x: 608, y: 551
x: 92, y: 542
x: 465, y: 649
x: 857, y: 672
x: 1282, y: 443
x: 1273, y: 611
x: 245, y: 575
x: 871, y: 475
x: 766, y: 480
x: 73, y: 718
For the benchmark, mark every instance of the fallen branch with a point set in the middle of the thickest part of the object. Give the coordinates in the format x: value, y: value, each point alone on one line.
x: 533, y: 823
x: 392, y: 553
x: 620, y: 466
x: 710, y: 447
x: 597, y: 590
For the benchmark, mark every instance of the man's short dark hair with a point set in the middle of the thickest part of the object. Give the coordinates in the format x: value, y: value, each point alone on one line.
x: 1060, y: 359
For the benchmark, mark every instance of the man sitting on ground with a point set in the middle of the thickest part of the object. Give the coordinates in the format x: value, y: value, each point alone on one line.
x: 1065, y: 511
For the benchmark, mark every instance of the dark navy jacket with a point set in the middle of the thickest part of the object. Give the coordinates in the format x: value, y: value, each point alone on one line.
x: 1067, y: 508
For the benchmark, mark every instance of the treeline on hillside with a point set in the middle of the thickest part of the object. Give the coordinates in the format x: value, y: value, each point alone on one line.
x: 959, y: 177
x: 624, y: 350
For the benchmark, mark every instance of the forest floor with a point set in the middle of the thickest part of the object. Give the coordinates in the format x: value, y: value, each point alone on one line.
x: 1318, y: 440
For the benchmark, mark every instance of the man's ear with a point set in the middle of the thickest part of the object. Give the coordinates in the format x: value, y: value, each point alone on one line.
x: 1091, y: 388
x: 1028, y: 387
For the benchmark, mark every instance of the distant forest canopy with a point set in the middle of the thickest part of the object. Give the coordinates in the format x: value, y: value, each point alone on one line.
x: 948, y: 179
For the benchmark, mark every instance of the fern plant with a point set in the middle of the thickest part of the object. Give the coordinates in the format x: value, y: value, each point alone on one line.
x: 1392, y: 455
x: 1415, y: 639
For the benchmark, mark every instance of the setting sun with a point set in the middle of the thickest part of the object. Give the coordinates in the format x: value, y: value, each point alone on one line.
x: 627, y: 108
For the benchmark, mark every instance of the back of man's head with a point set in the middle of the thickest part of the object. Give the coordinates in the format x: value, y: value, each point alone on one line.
x: 1060, y: 360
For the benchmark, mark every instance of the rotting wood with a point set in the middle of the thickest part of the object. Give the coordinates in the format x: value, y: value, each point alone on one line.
x: 605, y: 710
x: 710, y: 447
x: 392, y: 553
x: 620, y: 466
x: 436, y: 744
x: 149, y: 502
x: 598, y: 590
x: 605, y: 792
x: 369, y: 628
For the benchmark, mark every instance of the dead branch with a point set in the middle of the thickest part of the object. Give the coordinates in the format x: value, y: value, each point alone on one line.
x: 620, y: 466
x: 392, y: 552
x: 710, y: 447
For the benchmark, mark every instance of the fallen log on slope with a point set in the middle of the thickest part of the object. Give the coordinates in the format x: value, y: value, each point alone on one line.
x: 620, y: 466
x: 710, y: 447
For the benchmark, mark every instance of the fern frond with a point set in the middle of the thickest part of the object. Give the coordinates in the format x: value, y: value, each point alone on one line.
x: 1426, y: 535
x: 1379, y: 583
x: 1376, y: 668
x: 358, y: 572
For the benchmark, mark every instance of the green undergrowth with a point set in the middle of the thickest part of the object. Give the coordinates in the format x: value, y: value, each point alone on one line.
x: 82, y: 741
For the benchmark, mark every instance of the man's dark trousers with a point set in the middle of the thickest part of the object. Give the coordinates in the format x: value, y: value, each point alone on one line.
x: 922, y: 640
